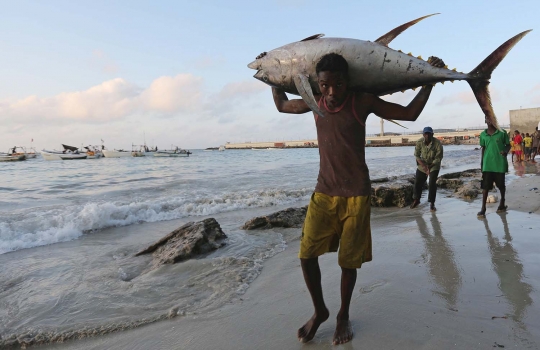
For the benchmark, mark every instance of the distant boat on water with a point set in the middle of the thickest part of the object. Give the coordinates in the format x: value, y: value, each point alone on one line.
x: 19, y: 150
x: 176, y: 152
x: 55, y: 154
x: 117, y: 153
x: 5, y: 157
x: 73, y: 156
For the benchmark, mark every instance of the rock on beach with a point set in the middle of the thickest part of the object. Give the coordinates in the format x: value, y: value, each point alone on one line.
x: 396, y: 191
x: 288, y: 218
x: 186, y: 242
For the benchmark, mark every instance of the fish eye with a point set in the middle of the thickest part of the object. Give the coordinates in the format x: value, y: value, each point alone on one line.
x: 265, y: 77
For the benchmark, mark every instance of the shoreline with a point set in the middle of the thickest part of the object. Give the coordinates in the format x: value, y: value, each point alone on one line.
x: 428, y: 286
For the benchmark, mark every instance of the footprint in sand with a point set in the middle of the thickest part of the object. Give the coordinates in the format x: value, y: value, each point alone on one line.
x: 370, y: 288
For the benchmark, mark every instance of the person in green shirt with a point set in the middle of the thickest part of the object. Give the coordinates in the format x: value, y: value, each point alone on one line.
x: 429, y: 154
x: 494, y: 165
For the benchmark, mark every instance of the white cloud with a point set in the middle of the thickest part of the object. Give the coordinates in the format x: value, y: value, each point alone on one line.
x: 111, y: 100
x: 173, y: 94
x: 242, y: 89
x: 120, y: 112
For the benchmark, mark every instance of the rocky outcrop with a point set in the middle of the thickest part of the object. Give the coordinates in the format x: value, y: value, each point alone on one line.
x: 470, y: 190
x: 392, y: 191
x: 290, y: 217
x: 465, y: 184
x: 186, y: 242
x: 396, y: 191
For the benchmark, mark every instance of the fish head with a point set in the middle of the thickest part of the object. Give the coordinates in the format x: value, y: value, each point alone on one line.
x: 273, y: 68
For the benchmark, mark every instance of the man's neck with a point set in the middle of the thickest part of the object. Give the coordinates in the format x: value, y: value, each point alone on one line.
x: 491, y: 129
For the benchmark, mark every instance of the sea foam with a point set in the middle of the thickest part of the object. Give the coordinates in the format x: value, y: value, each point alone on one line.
x: 38, y: 227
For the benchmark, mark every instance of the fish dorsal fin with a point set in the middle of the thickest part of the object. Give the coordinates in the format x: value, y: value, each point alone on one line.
x: 391, y: 35
x: 313, y: 37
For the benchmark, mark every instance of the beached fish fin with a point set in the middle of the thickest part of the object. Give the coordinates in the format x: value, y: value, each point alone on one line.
x: 479, y: 77
x: 313, y: 37
x: 391, y: 35
x: 304, y: 89
x: 393, y: 121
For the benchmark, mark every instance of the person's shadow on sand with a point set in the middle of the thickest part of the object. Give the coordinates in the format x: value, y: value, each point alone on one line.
x: 441, y: 262
x: 507, y: 266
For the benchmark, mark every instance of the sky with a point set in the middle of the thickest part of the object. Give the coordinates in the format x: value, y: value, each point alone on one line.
x: 175, y: 72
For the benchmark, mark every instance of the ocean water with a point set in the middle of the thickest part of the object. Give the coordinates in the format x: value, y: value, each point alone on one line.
x: 69, y: 232
x: 45, y: 202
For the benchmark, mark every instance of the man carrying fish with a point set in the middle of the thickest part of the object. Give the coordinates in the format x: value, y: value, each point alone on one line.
x: 350, y: 75
x: 339, y: 210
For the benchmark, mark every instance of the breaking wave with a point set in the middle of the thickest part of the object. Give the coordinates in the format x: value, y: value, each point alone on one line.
x: 33, y: 228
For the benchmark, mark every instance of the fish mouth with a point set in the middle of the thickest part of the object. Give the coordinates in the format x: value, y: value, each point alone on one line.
x: 254, y: 65
x: 259, y: 75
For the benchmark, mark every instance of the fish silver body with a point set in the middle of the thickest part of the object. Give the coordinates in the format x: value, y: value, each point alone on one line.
x: 373, y: 68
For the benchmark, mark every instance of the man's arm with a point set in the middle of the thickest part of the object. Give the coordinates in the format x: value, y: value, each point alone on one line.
x: 417, y: 154
x: 389, y: 110
x: 284, y: 105
x: 482, y: 159
x: 506, y: 146
x: 438, y: 155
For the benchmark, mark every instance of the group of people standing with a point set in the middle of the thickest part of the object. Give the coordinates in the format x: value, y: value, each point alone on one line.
x: 525, y: 147
x: 495, y: 145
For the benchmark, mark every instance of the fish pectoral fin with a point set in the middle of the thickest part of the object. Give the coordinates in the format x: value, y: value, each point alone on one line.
x: 391, y: 35
x: 393, y: 121
x: 304, y: 89
x: 313, y: 37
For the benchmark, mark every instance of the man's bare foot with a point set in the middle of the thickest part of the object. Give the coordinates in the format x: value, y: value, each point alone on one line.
x: 482, y: 213
x: 415, y: 203
x: 432, y: 207
x: 307, y: 331
x: 344, y: 332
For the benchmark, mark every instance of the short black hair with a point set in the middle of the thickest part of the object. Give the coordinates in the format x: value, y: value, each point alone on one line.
x: 332, y: 62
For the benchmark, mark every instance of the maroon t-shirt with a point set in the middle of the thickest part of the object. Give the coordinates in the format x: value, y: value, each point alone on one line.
x: 342, y: 136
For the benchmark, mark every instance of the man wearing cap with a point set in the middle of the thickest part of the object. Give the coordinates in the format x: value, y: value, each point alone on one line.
x: 429, y: 154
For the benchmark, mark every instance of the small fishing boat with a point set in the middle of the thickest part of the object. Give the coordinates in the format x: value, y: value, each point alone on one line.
x: 5, y: 157
x: 221, y: 148
x: 117, y: 153
x: 19, y: 151
x: 138, y: 150
x: 176, y: 152
x: 93, y: 152
x: 57, y: 155
x: 73, y: 156
x: 51, y: 155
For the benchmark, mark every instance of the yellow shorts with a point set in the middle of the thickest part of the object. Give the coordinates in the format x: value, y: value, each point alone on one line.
x: 330, y: 220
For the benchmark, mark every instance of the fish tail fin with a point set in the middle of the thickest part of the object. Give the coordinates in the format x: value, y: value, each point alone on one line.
x: 479, y: 77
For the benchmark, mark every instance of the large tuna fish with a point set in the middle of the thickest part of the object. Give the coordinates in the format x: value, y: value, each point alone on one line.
x: 373, y: 67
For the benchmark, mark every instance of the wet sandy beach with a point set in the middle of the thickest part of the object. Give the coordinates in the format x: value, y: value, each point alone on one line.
x: 438, y: 280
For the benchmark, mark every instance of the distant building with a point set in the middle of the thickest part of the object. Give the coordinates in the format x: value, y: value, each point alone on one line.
x: 524, y: 120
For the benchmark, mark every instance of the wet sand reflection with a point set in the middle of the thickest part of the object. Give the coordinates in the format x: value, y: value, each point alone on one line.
x: 507, y: 266
x: 441, y: 262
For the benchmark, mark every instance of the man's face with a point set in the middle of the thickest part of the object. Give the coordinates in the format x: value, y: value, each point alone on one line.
x: 488, y: 121
x: 333, y: 86
x: 428, y: 137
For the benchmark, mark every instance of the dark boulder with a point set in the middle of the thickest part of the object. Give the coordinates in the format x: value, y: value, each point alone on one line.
x: 186, y: 242
x: 290, y: 217
x: 394, y: 193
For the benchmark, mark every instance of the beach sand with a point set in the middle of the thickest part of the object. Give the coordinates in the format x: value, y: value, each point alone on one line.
x: 437, y: 280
